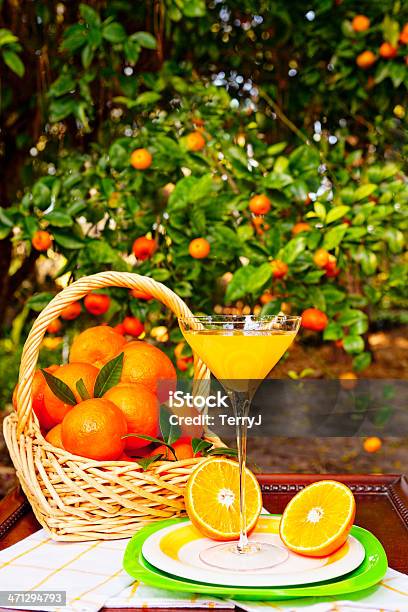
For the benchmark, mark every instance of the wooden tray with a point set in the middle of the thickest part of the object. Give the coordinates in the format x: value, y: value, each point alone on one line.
x: 382, y: 507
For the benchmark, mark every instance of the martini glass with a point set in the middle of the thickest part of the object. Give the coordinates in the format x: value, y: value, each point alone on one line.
x: 240, y: 351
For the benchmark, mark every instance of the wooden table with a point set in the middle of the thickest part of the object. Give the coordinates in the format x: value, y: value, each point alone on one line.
x: 382, y: 507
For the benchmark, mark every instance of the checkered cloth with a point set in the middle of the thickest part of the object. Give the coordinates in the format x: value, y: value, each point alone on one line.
x: 92, y: 576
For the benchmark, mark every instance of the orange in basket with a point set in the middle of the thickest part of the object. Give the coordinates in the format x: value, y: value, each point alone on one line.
x: 70, y: 374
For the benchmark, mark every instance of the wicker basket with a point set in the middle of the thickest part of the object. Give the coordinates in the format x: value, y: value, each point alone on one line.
x: 75, y: 498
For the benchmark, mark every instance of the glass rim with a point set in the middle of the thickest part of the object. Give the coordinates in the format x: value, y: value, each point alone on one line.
x: 220, y: 318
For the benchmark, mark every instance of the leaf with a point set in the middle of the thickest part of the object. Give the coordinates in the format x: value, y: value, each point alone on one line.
x: 364, y: 191
x: 109, y: 375
x: 194, y: 8
x: 89, y: 15
x: 169, y: 432
x: 359, y: 327
x: 350, y: 316
x: 333, y: 331
x: 145, y: 462
x: 145, y: 39
x: 5, y: 219
x: 336, y: 213
x: 63, y: 85
x: 229, y: 452
x: 147, y: 97
x: 353, y: 344
x: 13, y: 62
x: 320, y: 210
x: 238, y: 286
x: 7, y: 37
x: 362, y: 361
x: 276, y: 148
x: 334, y: 236
x: 74, y: 38
x: 58, y: 218
x: 198, y: 445
x: 294, y: 248
x: 82, y: 390
x: 368, y: 262
x: 395, y: 239
x: 160, y: 274
x: 390, y: 30
x: 259, y: 278
x: 68, y: 241
x: 62, y: 108
x: 114, y: 32
x: 59, y: 388
x: 87, y: 55
x: 39, y: 301
x: 151, y: 439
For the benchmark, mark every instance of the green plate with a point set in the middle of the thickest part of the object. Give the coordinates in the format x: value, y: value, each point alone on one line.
x: 371, y: 571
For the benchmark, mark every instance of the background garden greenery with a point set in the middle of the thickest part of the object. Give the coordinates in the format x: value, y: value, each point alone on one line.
x: 275, y: 90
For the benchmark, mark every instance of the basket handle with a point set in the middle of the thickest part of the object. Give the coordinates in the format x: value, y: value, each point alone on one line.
x: 73, y: 293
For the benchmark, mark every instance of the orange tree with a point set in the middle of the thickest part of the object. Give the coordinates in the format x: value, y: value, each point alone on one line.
x: 268, y: 181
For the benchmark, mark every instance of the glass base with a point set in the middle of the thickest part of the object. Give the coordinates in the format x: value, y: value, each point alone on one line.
x: 255, y: 556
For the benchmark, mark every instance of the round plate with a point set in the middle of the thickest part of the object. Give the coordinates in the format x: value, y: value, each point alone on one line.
x: 175, y: 549
x: 369, y: 573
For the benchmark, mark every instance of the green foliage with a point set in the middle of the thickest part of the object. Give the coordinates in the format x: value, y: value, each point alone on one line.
x: 291, y: 116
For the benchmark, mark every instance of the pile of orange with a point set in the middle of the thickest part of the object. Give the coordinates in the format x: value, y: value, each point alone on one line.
x: 88, y: 413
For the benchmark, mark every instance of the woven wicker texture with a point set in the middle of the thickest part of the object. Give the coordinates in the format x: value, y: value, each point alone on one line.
x: 76, y: 498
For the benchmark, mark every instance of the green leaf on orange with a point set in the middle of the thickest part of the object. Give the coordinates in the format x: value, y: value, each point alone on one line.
x: 109, y: 375
x: 59, y: 388
x: 145, y: 462
x: 82, y: 390
x: 170, y: 432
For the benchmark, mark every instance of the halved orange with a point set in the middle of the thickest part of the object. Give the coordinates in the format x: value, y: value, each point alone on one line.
x: 317, y: 521
x: 212, y: 499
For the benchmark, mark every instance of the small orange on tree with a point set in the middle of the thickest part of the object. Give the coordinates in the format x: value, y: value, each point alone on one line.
x: 141, y: 159
x: 141, y: 294
x: 366, y: 59
x: 143, y: 248
x: 279, y: 268
x: 331, y: 267
x: 97, y: 303
x: 199, y: 248
x: 260, y: 204
x: 266, y: 297
x: 183, y: 363
x: 314, y: 319
x: 71, y: 312
x: 300, y: 227
x: 387, y: 51
x: 195, y: 141
x: 360, y: 23
x: 404, y: 35
x: 321, y: 258
x: 133, y: 326
x: 54, y: 327
x: 41, y: 240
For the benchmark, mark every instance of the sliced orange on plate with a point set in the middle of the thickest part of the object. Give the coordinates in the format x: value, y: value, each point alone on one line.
x: 212, y: 499
x: 317, y: 521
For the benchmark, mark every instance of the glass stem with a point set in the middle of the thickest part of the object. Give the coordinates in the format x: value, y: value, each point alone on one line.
x: 240, y: 403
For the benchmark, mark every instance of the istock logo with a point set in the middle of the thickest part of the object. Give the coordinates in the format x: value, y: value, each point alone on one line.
x: 177, y: 399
